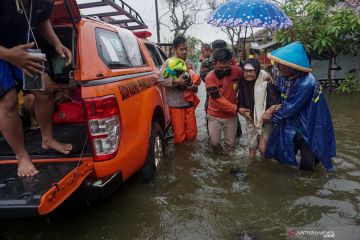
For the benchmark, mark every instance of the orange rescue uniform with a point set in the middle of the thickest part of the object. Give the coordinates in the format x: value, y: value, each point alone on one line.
x: 182, y: 104
x: 223, y: 93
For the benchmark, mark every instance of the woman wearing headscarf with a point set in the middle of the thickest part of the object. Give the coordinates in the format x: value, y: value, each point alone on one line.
x: 257, y: 97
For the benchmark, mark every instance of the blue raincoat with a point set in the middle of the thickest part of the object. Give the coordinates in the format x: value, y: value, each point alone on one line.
x: 304, y: 111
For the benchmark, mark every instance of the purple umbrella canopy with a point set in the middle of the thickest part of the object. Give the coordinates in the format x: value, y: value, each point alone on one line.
x: 249, y: 13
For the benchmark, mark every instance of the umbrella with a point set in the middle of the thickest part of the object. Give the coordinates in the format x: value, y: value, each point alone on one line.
x: 249, y: 13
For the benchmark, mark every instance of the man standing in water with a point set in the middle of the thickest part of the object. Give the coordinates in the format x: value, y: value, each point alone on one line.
x: 303, y: 122
x: 15, y: 18
x: 218, y: 44
x: 182, y: 110
x: 222, y: 87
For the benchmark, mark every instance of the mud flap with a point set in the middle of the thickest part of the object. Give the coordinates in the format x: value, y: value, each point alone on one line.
x: 39, y: 195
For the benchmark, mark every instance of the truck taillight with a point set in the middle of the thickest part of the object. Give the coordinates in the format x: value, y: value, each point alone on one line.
x: 104, y: 126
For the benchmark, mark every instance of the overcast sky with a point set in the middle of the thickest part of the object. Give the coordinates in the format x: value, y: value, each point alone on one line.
x: 146, y: 9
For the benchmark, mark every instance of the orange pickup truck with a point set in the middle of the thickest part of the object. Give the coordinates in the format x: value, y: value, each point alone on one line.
x: 125, y: 111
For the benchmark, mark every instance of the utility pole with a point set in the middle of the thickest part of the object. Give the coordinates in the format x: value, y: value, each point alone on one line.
x: 157, y: 21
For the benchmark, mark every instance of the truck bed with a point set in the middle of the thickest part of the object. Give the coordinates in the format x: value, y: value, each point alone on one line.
x: 59, y: 175
x: 75, y: 134
x: 20, y: 197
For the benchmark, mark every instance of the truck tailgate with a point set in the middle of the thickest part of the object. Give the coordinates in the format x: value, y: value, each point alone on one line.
x: 40, y: 194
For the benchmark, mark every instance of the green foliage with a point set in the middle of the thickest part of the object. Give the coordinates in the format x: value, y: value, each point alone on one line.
x: 322, y: 31
x: 349, y: 85
x: 194, y: 45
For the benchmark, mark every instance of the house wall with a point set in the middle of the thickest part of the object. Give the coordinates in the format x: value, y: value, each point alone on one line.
x: 346, y: 62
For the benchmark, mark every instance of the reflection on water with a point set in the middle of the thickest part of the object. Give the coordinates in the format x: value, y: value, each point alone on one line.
x: 199, y: 195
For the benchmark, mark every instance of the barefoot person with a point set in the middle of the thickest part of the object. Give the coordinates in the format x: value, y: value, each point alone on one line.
x: 255, y: 99
x: 14, y: 59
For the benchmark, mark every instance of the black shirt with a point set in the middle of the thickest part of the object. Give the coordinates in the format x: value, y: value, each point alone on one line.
x: 13, y: 25
x: 246, y: 95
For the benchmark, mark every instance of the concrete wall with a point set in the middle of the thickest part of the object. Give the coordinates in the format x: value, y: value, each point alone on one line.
x: 346, y: 62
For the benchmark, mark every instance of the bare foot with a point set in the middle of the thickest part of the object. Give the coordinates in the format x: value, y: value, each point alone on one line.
x: 57, y: 146
x: 26, y: 168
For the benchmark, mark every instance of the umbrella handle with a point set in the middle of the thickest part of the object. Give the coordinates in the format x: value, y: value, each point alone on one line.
x: 245, y: 38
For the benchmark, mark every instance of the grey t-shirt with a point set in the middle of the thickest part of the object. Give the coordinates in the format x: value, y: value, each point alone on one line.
x: 174, y: 95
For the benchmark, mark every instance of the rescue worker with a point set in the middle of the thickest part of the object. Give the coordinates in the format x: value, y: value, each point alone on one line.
x: 303, y: 122
x: 181, y: 108
x: 15, y: 18
x: 222, y: 87
x: 218, y: 44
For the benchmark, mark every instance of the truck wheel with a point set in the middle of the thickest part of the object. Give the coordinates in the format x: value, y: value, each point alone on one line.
x: 155, y: 153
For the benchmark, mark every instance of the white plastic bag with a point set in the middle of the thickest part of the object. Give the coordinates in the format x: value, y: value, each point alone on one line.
x: 131, y: 46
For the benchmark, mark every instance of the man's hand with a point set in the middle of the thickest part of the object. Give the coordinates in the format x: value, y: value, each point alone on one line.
x: 248, y: 116
x: 269, y: 79
x: 47, y: 32
x: 192, y: 87
x: 180, y: 81
x: 267, y: 115
x: 19, y: 57
x: 245, y: 112
x: 64, y: 52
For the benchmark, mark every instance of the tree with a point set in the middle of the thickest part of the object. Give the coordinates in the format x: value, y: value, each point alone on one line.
x: 233, y: 33
x: 324, y: 32
x: 183, y: 14
x: 194, y: 45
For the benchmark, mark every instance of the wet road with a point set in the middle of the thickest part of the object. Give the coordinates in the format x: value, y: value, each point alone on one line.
x: 196, y: 197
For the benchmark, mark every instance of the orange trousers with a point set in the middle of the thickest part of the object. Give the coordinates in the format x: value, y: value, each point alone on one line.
x: 184, y: 124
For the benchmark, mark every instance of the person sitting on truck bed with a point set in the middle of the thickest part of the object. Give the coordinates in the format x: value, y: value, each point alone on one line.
x: 15, y: 16
x: 182, y: 111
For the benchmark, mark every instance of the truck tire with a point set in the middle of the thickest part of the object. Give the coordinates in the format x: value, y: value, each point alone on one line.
x: 155, y: 154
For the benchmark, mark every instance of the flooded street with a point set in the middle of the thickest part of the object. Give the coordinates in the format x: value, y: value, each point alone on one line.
x: 196, y: 197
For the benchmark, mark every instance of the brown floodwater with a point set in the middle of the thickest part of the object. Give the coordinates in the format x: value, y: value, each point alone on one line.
x: 196, y: 197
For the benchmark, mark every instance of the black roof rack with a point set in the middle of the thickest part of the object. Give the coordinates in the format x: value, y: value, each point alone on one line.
x: 130, y: 19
